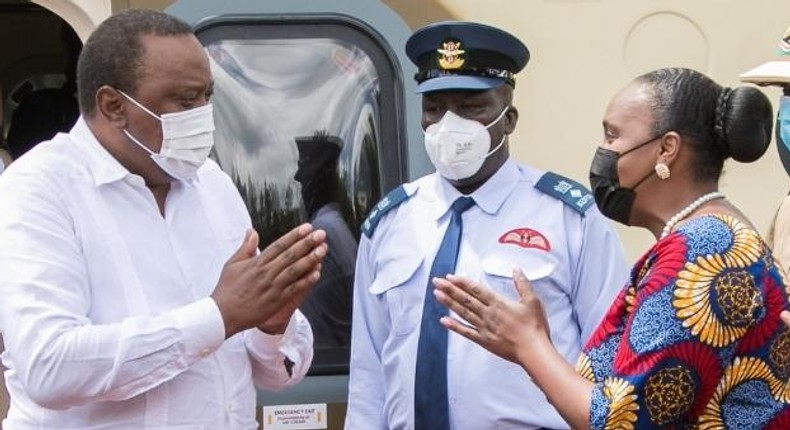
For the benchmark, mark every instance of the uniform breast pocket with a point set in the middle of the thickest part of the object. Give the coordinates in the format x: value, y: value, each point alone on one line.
x: 538, y: 266
x: 397, y: 283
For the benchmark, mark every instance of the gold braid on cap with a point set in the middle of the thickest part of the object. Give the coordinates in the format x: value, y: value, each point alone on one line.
x: 507, y: 75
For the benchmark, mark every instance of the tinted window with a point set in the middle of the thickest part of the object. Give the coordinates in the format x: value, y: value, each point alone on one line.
x: 303, y: 112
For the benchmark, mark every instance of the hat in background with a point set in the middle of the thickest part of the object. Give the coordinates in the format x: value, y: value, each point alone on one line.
x: 318, y: 154
x: 772, y: 72
x: 456, y: 55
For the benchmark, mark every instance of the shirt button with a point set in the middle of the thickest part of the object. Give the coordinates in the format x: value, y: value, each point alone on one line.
x: 205, y: 352
x: 229, y: 407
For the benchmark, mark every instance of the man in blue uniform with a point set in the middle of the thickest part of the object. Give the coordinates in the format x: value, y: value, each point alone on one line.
x: 480, y: 215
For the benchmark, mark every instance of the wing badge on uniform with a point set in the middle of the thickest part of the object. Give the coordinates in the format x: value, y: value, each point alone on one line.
x: 526, y: 238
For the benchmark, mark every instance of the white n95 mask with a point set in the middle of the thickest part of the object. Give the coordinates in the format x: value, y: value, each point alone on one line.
x: 187, y: 139
x: 457, y: 146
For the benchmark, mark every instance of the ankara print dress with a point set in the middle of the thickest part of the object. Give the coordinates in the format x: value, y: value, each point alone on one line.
x: 694, y: 340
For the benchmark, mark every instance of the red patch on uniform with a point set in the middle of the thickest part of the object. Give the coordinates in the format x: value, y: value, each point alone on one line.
x: 526, y: 238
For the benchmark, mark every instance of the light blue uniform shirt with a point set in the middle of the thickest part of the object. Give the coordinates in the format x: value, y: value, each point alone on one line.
x: 572, y: 255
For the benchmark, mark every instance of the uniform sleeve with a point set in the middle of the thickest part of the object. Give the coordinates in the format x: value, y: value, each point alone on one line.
x: 279, y: 361
x: 600, y: 273
x: 61, y: 358
x: 368, y: 333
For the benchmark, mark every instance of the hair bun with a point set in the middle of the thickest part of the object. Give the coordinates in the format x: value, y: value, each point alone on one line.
x: 744, y: 122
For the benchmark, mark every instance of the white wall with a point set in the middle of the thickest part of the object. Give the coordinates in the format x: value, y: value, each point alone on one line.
x: 83, y: 15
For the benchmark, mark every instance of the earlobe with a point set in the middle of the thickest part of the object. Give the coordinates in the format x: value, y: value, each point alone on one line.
x: 109, y: 103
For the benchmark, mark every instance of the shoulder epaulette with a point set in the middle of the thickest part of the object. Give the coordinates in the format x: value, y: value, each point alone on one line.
x: 569, y: 191
x: 390, y: 201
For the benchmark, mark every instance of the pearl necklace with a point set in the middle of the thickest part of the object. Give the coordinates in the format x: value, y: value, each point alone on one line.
x: 688, y: 210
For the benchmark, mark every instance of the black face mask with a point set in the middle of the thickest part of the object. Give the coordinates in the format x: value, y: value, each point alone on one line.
x: 613, y: 200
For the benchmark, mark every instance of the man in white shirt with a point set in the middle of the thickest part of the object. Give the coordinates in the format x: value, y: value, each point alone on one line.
x: 133, y: 292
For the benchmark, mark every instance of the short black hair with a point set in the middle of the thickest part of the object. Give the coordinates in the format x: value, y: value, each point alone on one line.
x: 113, y: 54
x: 719, y: 122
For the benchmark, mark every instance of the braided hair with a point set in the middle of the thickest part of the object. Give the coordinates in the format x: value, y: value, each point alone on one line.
x: 717, y: 121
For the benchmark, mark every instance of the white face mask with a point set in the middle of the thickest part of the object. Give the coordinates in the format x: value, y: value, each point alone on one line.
x: 457, y: 146
x: 187, y: 139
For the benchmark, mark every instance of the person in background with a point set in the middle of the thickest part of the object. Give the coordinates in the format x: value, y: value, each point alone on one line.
x: 777, y: 73
x: 694, y: 339
x: 328, y: 306
x: 134, y: 295
x: 486, y: 213
x: 46, y: 112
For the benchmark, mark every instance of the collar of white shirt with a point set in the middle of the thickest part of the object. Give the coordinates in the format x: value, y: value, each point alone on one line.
x: 104, y: 167
x: 489, y: 197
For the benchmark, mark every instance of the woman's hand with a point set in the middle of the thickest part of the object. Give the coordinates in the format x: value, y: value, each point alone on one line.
x: 505, y: 327
x: 517, y: 331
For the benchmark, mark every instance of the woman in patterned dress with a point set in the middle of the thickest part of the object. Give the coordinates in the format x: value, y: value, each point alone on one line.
x: 694, y: 340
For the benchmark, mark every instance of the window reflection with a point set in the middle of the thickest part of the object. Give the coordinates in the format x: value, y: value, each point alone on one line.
x: 325, y: 201
x: 298, y: 123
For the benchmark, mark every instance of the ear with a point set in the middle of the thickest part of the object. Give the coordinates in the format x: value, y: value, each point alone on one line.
x: 670, y: 148
x: 510, y: 119
x: 110, y: 105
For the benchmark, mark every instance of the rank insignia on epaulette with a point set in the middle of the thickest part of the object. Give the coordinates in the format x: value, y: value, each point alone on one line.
x: 390, y: 201
x: 569, y: 191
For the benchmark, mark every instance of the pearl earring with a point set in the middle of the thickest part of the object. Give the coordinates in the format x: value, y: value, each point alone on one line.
x: 662, y: 170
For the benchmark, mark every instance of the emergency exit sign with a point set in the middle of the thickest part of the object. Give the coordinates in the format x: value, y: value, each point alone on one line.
x: 295, y: 417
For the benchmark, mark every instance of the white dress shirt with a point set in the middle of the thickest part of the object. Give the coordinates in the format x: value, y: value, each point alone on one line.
x: 577, y: 278
x: 105, y: 307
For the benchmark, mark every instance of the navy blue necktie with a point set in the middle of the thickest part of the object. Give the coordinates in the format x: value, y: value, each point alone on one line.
x: 430, y: 384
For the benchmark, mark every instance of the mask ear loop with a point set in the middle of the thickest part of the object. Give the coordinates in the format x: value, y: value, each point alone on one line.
x: 652, y: 171
x: 128, y: 97
x: 134, y: 139
x: 501, y: 115
x: 145, y: 109
x: 501, y: 142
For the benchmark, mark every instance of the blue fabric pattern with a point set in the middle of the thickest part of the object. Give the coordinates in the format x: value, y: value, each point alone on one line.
x: 697, y: 335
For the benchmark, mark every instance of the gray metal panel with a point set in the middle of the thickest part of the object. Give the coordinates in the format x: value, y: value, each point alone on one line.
x: 375, y: 14
x: 313, y: 389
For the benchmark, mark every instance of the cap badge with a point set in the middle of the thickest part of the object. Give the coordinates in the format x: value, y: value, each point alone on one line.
x: 450, y: 55
x: 784, y: 44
